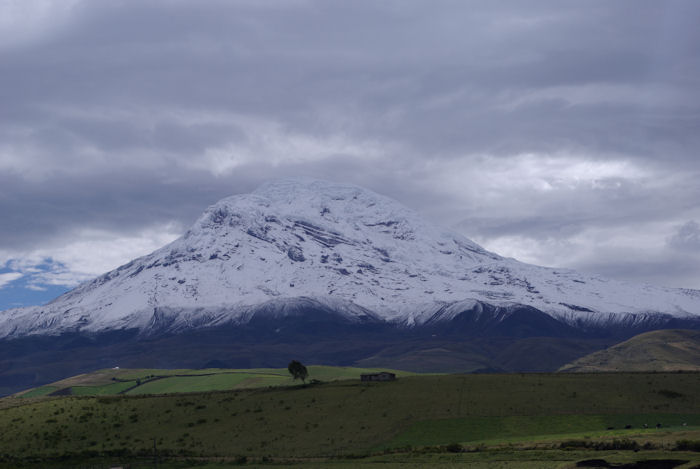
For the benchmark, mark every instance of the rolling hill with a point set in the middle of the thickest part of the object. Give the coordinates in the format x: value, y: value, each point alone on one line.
x: 666, y: 350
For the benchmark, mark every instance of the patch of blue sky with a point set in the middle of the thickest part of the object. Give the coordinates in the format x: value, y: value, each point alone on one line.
x: 25, y: 288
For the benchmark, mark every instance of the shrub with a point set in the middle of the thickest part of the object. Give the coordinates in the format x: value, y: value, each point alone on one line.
x: 670, y: 394
x: 454, y: 448
x: 624, y: 444
x: 688, y: 445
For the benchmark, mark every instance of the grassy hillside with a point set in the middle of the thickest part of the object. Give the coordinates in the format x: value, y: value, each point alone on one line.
x: 668, y: 350
x: 346, y: 418
x: 538, y: 354
x: 153, y: 381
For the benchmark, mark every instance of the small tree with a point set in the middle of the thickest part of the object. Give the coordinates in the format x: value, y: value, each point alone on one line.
x: 297, y: 370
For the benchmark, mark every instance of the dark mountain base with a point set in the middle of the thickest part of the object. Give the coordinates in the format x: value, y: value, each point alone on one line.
x: 46, y: 361
x: 493, y: 340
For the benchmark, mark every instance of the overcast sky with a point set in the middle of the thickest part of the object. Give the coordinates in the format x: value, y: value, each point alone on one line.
x: 561, y: 133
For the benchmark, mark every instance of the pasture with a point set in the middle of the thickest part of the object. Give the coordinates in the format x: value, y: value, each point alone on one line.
x: 158, y: 381
x: 424, y: 419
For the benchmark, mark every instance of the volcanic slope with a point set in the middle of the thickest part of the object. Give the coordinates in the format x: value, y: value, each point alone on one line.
x: 294, y: 245
x: 668, y: 350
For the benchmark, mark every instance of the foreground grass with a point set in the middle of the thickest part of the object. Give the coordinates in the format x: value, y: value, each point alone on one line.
x: 517, y: 428
x: 485, y: 458
x: 338, y: 420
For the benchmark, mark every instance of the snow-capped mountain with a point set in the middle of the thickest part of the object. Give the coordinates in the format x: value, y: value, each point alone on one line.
x: 364, y: 257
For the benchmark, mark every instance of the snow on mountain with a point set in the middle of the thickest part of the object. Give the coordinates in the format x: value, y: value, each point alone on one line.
x: 362, y: 255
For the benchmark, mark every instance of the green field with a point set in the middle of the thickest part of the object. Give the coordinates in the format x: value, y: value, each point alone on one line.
x: 521, y: 420
x: 42, y: 391
x: 157, y: 381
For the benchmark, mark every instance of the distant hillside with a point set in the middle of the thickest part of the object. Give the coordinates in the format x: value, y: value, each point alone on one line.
x: 153, y: 381
x: 665, y: 350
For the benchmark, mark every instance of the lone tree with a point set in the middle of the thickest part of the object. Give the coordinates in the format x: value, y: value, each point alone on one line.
x: 297, y: 370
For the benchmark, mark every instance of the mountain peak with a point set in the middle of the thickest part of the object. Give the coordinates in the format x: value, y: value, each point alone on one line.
x: 290, y: 189
x: 322, y: 202
x: 339, y: 246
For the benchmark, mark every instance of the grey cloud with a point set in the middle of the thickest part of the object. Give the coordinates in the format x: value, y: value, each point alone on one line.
x: 669, y: 271
x: 686, y: 238
x: 535, y: 227
x: 562, y: 211
x: 370, y: 60
x: 106, y: 108
x: 36, y: 212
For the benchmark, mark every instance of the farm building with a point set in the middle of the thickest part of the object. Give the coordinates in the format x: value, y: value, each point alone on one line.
x: 381, y: 376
